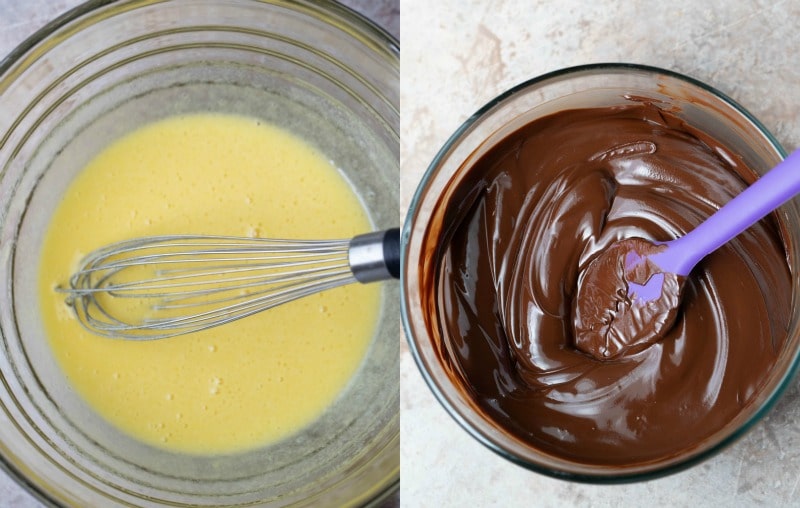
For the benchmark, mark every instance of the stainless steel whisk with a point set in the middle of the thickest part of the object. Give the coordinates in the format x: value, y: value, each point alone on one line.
x: 182, y: 284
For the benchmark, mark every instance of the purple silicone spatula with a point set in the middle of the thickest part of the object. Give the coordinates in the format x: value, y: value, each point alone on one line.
x: 627, y: 297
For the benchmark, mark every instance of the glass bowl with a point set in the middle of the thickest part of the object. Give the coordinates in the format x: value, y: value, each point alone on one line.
x: 585, y: 86
x: 105, y: 69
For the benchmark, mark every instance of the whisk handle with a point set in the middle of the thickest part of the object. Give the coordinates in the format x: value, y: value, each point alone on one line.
x: 375, y: 256
x: 391, y: 251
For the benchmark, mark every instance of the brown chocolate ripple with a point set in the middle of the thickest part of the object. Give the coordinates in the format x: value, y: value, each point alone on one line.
x: 528, y: 218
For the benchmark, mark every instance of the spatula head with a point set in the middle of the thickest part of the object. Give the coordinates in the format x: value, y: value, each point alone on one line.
x: 624, y: 302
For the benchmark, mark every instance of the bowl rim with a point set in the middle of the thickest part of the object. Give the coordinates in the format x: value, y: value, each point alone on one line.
x: 372, y: 35
x: 408, y: 223
x: 380, y: 38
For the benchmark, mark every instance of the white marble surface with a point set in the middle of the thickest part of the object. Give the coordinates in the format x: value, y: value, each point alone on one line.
x: 21, y: 18
x: 457, y: 55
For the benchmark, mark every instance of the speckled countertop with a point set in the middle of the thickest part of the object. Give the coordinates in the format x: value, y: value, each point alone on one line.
x: 21, y: 18
x: 456, y: 56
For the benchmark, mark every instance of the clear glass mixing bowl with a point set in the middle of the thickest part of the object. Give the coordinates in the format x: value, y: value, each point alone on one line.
x: 106, y: 68
x: 586, y: 86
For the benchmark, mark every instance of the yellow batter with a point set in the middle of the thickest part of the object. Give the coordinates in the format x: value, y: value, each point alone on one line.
x: 237, y: 386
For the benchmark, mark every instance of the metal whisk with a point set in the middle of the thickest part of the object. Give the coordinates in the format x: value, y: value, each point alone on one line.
x: 157, y: 287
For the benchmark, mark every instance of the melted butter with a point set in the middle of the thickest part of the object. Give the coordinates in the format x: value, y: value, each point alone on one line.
x: 244, y: 384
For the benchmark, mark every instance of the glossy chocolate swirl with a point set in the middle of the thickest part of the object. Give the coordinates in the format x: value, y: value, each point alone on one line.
x: 528, y: 218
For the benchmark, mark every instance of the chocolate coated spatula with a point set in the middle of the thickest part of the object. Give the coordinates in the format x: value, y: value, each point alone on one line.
x: 627, y: 297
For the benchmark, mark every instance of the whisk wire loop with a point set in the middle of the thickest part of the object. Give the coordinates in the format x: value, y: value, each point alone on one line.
x: 157, y: 287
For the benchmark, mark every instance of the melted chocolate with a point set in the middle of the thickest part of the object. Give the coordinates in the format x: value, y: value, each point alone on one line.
x: 525, y: 222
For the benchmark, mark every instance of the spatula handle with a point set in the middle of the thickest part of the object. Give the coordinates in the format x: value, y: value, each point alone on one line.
x: 776, y: 187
